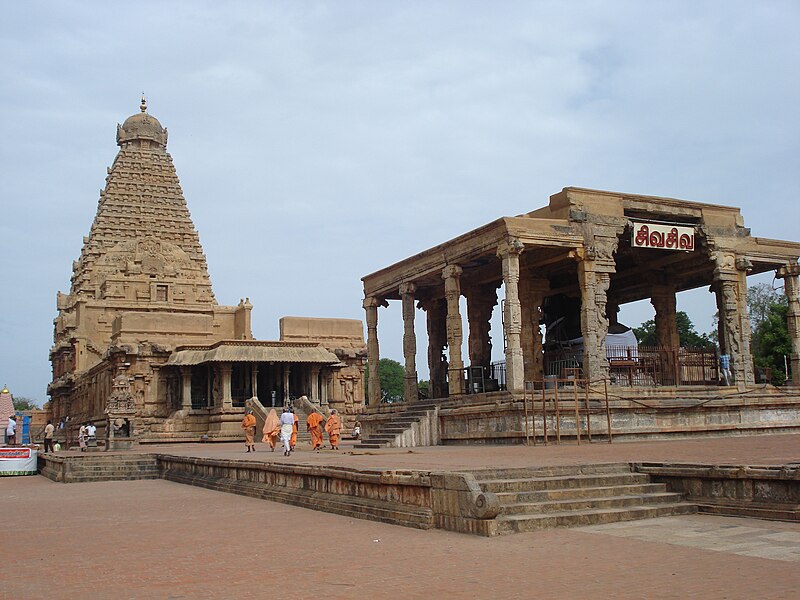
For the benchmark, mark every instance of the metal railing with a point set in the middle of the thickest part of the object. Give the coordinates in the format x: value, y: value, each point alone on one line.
x: 568, y: 397
x: 480, y: 379
x: 645, y: 365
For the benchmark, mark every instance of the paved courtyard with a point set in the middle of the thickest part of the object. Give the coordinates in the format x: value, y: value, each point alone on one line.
x: 159, y: 539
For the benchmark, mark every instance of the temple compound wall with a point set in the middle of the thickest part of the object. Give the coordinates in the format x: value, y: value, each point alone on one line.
x: 141, y: 345
x: 565, y: 270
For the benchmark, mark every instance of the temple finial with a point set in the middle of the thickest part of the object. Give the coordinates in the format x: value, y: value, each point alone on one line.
x: 144, y: 103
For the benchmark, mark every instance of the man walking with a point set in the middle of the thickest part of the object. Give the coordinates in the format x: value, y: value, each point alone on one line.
x: 287, y: 424
x: 313, y: 423
x: 334, y: 427
x: 49, y: 430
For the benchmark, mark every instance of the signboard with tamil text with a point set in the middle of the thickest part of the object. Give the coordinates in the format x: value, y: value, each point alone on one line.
x: 663, y: 237
x: 18, y: 461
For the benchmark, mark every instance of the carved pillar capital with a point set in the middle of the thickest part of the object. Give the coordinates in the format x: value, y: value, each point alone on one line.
x: 407, y: 288
x: 510, y: 246
x: 788, y: 270
x: 451, y: 272
x: 373, y: 302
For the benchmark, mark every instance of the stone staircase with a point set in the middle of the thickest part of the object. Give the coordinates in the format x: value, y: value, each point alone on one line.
x: 570, y: 496
x: 98, y: 467
x: 399, y: 431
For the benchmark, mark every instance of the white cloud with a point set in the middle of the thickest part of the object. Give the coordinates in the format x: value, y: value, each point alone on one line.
x: 318, y: 142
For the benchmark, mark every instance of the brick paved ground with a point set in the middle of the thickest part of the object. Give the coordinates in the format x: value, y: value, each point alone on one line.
x: 158, y: 539
x: 759, y: 449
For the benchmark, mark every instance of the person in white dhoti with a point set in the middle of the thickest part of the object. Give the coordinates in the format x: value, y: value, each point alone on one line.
x: 287, y: 423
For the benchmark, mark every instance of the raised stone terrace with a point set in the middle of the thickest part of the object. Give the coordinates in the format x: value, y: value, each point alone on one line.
x: 486, y: 490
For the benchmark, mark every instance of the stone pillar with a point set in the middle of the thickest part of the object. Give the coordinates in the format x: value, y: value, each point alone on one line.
x: 225, y: 370
x: 410, y: 388
x: 316, y: 387
x: 664, y: 302
x: 790, y: 273
x: 436, y: 321
x: 730, y: 285
x: 371, y: 305
x: 532, y: 295
x: 254, y: 378
x: 481, y: 300
x: 595, y: 266
x: 186, y: 390
x: 452, y: 291
x: 508, y: 251
x: 287, y: 369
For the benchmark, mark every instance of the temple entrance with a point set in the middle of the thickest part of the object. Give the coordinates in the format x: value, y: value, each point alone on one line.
x: 201, y: 387
x: 270, y: 384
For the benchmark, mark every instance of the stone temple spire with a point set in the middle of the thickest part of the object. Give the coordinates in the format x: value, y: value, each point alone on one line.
x: 142, y: 246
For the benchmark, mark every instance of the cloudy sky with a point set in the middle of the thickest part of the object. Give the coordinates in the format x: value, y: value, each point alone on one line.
x: 317, y: 142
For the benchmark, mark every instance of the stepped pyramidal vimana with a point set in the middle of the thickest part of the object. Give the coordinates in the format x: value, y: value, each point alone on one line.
x: 140, y: 340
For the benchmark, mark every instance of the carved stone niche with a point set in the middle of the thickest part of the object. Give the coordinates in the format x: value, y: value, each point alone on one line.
x: 120, y: 414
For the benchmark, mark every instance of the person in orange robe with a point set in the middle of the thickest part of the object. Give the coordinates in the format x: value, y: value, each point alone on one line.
x: 313, y: 423
x: 294, y: 429
x: 249, y: 426
x: 272, y: 429
x: 334, y: 427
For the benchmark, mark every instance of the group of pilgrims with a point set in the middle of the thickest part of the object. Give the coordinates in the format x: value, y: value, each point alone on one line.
x: 285, y: 428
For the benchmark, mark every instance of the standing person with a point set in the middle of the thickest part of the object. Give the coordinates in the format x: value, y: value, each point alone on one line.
x: 287, y: 424
x: 294, y: 428
x: 334, y: 427
x: 91, y: 434
x: 725, y: 368
x: 357, y: 430
x: 49, y: 430
x: 82, y: 437
x: 272, y: 429
x: 249, y: 426
x: 313, y: 423
x: 11, y: 431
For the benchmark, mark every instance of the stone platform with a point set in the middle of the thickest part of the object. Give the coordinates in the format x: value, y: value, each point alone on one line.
x: 487, y: 490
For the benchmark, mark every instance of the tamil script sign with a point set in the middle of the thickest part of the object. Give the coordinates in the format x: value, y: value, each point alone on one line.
x: 17, y: 461
x: 664, y: 237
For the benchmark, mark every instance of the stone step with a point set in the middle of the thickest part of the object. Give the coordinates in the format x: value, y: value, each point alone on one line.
x: 552, y: 471
x: 114, y: 469
x: 520, y: 523
x: 380, y: 438
x: 86, y: 478
x: 582, y: 492
x: 577, y: 504
x: 386, y: 429
x: 552, y: 483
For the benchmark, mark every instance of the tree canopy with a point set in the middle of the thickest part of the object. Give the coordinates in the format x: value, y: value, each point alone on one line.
x: 23, y: 403
x: 392, y: 375
x: 769, y: 341
x: 689, y: 338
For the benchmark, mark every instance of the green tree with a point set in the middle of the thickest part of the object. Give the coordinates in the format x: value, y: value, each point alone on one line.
x: 23, y: 403
x: 689, y: 338
x: 769, y: 342
x: 392, y: 375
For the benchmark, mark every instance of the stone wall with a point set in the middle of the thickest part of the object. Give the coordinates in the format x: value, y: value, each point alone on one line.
x: 419, y: 499
x: 771, y: 492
